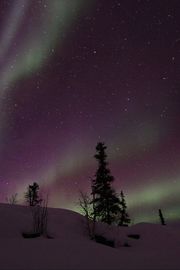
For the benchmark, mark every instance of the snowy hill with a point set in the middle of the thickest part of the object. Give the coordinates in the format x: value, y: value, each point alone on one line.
x: 157, y: 248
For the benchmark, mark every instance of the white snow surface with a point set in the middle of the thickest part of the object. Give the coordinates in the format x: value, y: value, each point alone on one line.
x: 158, y: 247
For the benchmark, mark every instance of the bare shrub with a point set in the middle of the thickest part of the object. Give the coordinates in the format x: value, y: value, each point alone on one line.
x: 86, y: 210
x: 40, y: 217
x: 12, y: 199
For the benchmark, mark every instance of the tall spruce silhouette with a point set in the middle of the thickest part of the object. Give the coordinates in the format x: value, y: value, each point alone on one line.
x: 124, y: 217
x: 106, y: 204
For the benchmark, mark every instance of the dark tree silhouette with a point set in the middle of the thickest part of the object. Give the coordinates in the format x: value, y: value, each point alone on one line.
x: 39, y: 209
x: 161, y: 217
x: 124, y: 217
x: 106, y: 203
x: 32, y: 194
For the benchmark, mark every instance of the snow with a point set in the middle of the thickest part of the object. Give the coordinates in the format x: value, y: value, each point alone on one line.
x: 158, y: 247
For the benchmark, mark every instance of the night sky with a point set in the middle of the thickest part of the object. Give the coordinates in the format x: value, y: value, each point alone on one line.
x: 75, y: 72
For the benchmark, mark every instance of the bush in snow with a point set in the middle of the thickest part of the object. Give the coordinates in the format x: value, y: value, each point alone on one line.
x: 86, y: 209
x: 12, y: 199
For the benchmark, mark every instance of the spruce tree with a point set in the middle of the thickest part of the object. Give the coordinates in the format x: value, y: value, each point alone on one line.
x: 32, y: 194
x: 106, y: 203
x: 124, y: 217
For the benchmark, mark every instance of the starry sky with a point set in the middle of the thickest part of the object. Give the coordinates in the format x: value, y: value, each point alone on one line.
x: 76, y: 72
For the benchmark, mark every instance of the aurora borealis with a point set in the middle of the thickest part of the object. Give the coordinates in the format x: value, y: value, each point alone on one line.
x: 76, y: 72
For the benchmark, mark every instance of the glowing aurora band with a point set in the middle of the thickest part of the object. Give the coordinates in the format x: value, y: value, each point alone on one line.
x: 12, y: 26
x: 155, y: 196
x: 33, y: 53
x: 30, y: 55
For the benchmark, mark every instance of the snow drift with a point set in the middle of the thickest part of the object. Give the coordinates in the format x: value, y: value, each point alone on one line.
x: 158, y: 247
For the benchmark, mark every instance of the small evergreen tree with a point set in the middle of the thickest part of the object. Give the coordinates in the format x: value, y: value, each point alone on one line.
x: 106, y: 203
x: 124, y: 217
x: 32, y: 194
x: 161, y: 217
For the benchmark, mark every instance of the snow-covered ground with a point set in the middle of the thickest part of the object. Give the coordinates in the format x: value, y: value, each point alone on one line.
x: 158, y: 247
